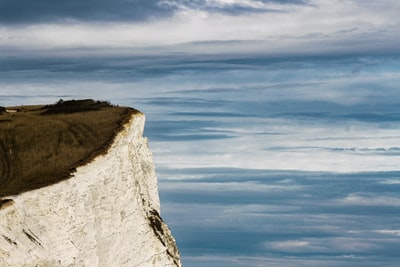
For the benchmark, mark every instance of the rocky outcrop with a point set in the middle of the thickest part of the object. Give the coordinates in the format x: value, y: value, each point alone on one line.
x: 106, y: 214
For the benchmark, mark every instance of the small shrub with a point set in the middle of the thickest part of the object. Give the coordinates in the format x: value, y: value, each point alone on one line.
x: 73, y: 106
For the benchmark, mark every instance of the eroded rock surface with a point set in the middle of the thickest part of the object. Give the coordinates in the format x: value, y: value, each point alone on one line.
x: 106, y: 214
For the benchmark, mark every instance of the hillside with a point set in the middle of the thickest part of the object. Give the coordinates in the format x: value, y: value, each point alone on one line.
x: 42, y: 145
x: 107, y: 213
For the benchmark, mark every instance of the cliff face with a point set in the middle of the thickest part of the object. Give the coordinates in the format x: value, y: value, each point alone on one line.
x: 106, y: 214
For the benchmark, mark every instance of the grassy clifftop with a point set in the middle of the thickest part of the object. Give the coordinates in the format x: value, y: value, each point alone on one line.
x: 42, y: 145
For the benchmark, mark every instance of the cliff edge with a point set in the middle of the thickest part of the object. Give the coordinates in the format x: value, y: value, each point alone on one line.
x: 106, y: 213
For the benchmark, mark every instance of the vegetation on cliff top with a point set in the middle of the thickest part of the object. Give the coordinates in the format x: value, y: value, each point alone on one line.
x: 42, y: 145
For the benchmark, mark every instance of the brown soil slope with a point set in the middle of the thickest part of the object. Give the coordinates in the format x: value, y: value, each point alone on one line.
x: 42, y: 145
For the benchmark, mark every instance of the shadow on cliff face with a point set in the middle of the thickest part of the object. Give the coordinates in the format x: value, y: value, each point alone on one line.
x: 42, y: 145
x: 163, y: 234
x: 4, y: 203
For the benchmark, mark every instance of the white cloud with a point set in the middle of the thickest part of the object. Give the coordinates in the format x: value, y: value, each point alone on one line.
x: 366, y: 200
x: 352, y: 245
x: 299, y: 147
x: 391, y: 181
x: 324, y: 25
x: 388, y: 232
x: 232, y: 187
x: 325, y: 245
x: 290, y: 245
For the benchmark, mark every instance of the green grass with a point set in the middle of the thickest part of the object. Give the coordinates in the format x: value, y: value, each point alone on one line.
x: 42, y: 145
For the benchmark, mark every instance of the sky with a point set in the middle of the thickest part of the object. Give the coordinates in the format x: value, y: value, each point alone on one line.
x: 199, y: 26
x: 273, y: 124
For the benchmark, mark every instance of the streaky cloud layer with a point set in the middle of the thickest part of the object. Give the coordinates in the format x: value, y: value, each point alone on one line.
x: 45, y: 11
x: 262, y: 160
x: 287, y: 218
x: 202, y: 27
x: 48, y: 11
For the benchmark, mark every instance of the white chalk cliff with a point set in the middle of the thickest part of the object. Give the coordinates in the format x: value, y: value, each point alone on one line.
x: 106, y: 214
